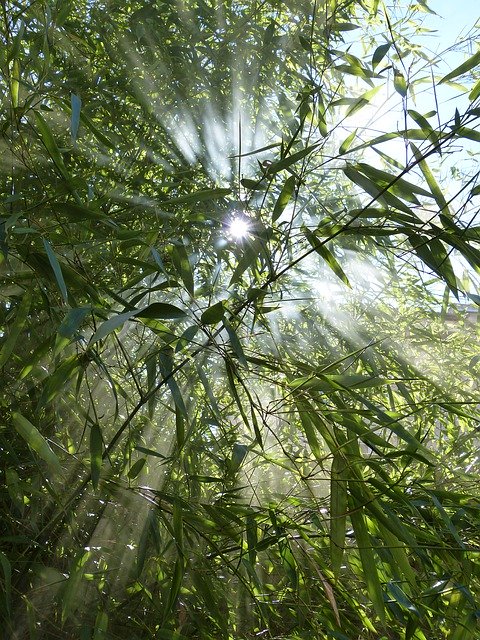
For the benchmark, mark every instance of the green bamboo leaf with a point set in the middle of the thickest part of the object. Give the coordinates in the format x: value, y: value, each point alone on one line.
x: 475, y: 92
x: 50, y: 144
x: 367, y: 558
x: 162, y: 311
x: 396, y: 185
x: 70, y: 597
x: 57, y: 270
x: 466, y: 66
x: 275, y: 167
x: 338, y: 510
x: 343, y: 26
x: 35, y: 440
x: 183, y: 267
x: 7, y: 580
x: 284, y: 198
x: 252, y: 538
x: 72, y: 321
x: 166, y: 367
x: 380, y: 194
x: 198, y: 196
x: 239, y: 453
x: 213, y: 314
x: 96, y: 453
x: 15, y: 83
x: 379, y: 54
x: 434, y: 254
x: 401, y: 597
x: 174, y: 591
x: 76, y: 104
x: 111, y: 324
x: 14, y: 331
x: 309, y: 429
x: 235, y: 342
x: 347, y: 143
x: 101, y: 626
x: 399, y: 83
x: 327, y: 255
x: 432, y: 183
x: 466, y: 132
x: 136, y: 468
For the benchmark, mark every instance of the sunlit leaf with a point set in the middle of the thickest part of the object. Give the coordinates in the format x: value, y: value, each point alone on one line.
x: 463, y: 68
x: 35, y: 440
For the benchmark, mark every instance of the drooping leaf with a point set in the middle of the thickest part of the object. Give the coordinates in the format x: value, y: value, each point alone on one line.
x: 182, y: 264
x: 57, y: 270
x: 327, y: 255
x: 367, y: 557
x: 7, y: 580
x: 76, y: 104
x: 284, y: 198
x: 399, y: 83
x: 15, y: 330
x: 96, y: 453
x: 338, y: 510
x: 35, y: 440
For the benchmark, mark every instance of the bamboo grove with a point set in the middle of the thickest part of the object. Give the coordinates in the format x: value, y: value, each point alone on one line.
x: 239, y: 348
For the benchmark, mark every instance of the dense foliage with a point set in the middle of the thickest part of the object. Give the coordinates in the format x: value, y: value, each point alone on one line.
x: 239, y: 345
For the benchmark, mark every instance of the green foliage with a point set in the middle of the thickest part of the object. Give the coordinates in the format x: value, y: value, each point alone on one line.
x: 206, y: 436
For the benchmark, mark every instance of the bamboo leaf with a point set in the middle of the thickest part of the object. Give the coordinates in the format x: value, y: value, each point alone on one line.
x: 399, y: 83
x: 347, y: 143
x: 96, y: 453
x: 70, y: 596
x: 111, y: 324
x: 338, y: 510
x: 284, y: 198
x: 327, y: 255
x: 136, y: 468
x: 213, y: 314
x: 432, y: 183
x: 275, y: 167
x: 182, y: 264
x: 76, y: 104
x: 17, y: 328
x: 466, y: 66
x: 57, y: 270
x: 101, y: 626
x: 162, y: 311
x: 35, y: 440
x: 7, y: 580
x: 379, y: 54
x: 368, y: 561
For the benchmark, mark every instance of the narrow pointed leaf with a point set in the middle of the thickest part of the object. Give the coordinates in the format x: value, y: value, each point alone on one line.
x: 338, y: 510
x: 57, y: 270
x: 111, y: 324
x: 96, y: 452
x: 15, y: 330
x: 466, y: 66
x: 35, y: 440
x: 284, y: 198
x: 76, y: 104
x: 327, y: 255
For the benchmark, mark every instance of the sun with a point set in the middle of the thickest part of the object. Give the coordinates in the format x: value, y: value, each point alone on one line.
x: 239, y: 228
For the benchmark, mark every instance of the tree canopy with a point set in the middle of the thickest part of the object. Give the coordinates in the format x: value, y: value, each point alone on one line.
x: 239, y: 267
